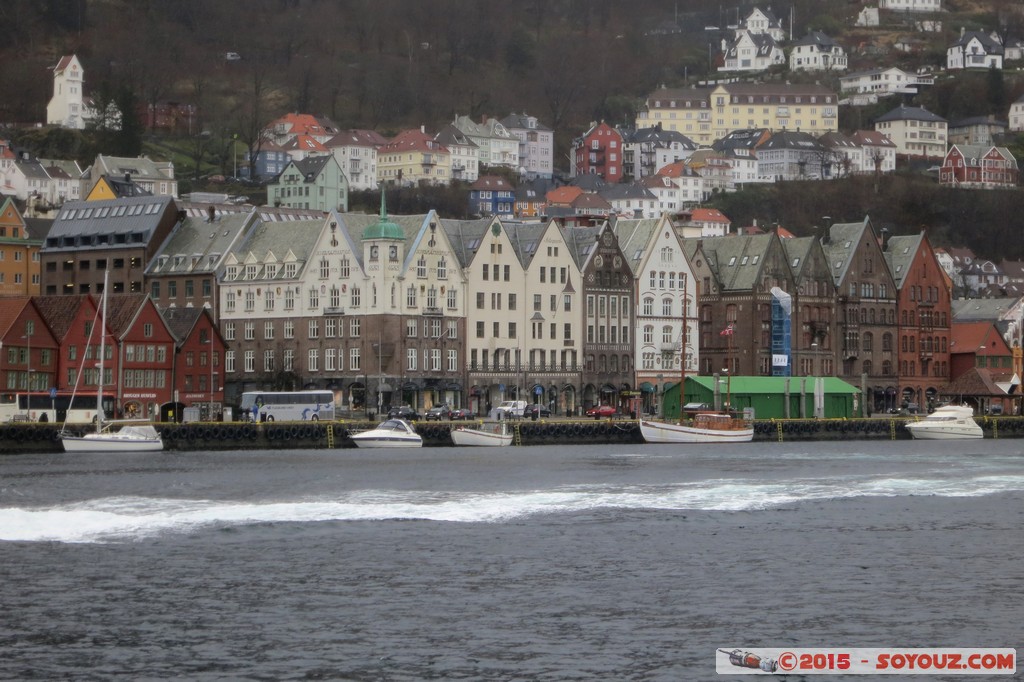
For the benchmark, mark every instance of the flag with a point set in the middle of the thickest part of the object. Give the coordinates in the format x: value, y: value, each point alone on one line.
x: 727, y: 331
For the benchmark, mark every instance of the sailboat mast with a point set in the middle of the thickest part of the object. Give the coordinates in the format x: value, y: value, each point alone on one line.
x: 103, y: 338
x: 682, y: 349
x: 728, y: 372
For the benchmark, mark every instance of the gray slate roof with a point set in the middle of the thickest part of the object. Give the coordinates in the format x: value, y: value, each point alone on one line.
x: 106, y: 224
x: 634, y: 236
x: 905, y: 113
x: 197, y: 245
x: 737, y: 260
x: 900, y: 253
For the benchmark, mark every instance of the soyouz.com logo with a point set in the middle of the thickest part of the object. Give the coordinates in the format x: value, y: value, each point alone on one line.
x: 865, y: 661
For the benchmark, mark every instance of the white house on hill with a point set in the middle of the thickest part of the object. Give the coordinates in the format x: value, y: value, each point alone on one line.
x: 67, y: 106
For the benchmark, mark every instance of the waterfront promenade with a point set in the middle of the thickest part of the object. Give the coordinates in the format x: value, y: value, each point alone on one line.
x: 34, y: 437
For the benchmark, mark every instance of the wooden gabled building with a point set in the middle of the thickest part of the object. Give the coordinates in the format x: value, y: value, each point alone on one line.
x: 736, y: 276
x: 866, y: 306
x: 924, y: 319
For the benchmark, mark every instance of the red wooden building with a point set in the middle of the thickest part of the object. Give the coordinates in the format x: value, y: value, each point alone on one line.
x: 599, y: 152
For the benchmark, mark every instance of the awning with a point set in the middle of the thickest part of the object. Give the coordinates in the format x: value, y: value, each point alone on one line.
x: 410, y: 386
x: 646, y: 387
x: 608, y: 388
x: 454, y: 386
x: 311, y: 386
x: 385, y: 388
x: 333, y: 385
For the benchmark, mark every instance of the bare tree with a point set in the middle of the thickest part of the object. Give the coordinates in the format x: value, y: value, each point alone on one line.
x: 253, y: 111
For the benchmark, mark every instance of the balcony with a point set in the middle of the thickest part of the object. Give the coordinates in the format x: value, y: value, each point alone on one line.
x: 669, y: 347
x: 337, y: 310
x: 432, y: 311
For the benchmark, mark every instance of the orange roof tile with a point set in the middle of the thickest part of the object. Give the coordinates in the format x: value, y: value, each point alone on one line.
x: 563, y: 195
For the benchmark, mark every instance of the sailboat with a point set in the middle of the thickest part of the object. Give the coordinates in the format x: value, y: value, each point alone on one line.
x: 707, y: 426
x: 129, y: 438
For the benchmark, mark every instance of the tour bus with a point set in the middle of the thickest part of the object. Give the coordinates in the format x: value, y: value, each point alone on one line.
x: 41, y: 407
x: 271, y: 406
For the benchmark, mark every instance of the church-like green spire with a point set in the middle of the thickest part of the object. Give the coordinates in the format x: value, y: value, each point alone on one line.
x: 383, y: 228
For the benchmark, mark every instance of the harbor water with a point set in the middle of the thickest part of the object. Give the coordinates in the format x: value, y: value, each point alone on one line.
x: 603, y: 562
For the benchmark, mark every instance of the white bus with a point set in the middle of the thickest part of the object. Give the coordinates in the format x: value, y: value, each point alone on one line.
x: 40, y: 407
x: 283, y: 406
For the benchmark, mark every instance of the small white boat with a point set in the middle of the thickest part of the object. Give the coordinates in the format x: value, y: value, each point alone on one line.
x: 392, y: 433
x: 134, y: 438
x: 706, y: 427
x: 949, y: 422
x: 487, y: 435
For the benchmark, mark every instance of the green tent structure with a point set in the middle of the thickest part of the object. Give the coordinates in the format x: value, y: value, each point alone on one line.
x: 770, y: 397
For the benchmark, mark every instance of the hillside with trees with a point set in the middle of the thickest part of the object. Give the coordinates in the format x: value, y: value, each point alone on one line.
x: 394, y: 64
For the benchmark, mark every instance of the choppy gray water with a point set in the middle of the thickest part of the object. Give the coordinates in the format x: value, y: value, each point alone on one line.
x: 568, y: 563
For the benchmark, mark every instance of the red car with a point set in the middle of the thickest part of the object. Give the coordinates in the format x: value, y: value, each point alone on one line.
x: 602, y: 411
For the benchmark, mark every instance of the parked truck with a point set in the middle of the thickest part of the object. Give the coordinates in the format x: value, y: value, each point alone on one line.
x: 510, y: 409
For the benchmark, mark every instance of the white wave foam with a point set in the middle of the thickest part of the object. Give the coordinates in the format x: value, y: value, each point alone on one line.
x: 126, y: 518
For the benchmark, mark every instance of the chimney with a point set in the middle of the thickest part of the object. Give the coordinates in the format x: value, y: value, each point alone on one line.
x: 885, y: 239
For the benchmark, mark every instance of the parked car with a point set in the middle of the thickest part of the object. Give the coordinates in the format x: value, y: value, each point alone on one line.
x: 462, y: 413
x: 602, y: 412
x: 439, y: 413
x: 536, y: 411
x: 404, y: 412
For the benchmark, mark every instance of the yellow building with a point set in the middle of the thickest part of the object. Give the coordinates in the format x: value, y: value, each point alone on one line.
x: 19, y: 255
x: 708, y: 114
x: 412, y: 158
x: 106, y: 188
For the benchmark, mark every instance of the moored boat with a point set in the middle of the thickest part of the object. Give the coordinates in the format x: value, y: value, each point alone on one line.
x: 132, y: 438
x: 706, y: 427
x: 392, y: 433
x: 949, y: 422
x: 486, y: 435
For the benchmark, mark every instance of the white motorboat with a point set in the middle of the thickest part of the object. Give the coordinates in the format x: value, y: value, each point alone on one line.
x: 706, y: 427
x: 486, y: 434
x: 129, y: 438
x: 133, y: 438
x: 392, y: 433
x: 949, y: 422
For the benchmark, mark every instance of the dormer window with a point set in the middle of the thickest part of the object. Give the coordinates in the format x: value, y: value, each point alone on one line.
x: 250, y: 271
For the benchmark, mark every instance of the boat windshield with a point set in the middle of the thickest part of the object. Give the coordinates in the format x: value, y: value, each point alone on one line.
x: 392, y: 425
